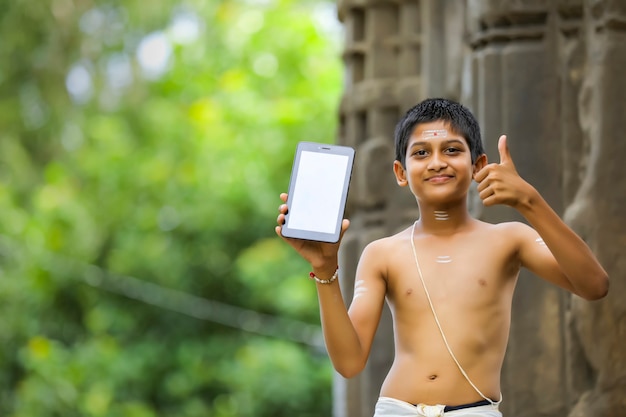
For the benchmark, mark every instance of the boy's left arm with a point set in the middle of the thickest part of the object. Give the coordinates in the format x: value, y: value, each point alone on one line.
x: 569, y: 262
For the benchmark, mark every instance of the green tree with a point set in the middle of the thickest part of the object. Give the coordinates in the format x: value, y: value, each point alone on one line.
x: 142, y: 150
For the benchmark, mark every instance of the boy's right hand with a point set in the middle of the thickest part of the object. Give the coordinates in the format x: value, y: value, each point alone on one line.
x: 319, y: 254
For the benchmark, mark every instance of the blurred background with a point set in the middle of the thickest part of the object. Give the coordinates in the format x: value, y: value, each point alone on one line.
x: 143, y: 146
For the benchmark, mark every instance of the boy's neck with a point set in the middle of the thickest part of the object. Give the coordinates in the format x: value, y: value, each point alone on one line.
x: 439, y: 220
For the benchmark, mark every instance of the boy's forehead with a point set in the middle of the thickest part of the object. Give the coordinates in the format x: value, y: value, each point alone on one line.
x: 434, y: 130
x: 441, y: 133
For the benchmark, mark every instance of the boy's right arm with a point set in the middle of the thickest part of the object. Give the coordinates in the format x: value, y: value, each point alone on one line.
x: 348, y: 336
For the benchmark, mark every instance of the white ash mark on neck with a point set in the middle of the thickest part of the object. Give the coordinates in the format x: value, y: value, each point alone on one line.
x: 443, y: 259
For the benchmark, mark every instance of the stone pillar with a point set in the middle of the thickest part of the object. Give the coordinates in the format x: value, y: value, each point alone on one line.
x: 382, y: 56
x: 443, y: 48
x: 597, y: 331
x: 516, y: 92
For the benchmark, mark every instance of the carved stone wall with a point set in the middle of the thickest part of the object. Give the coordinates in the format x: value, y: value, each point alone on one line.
x: 597, y: 331
x: 552, y: 76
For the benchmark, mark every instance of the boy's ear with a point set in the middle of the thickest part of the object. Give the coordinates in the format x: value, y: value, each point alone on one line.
x: 400, y: 173
x: 480, y: 163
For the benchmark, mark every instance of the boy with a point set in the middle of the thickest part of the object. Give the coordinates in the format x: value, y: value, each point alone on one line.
x: 449, y: 278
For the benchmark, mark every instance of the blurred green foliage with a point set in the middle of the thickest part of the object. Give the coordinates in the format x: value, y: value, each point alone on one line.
x: 142, y: 150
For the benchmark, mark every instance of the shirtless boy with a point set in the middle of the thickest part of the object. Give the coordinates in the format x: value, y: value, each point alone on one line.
x: 448, y: 278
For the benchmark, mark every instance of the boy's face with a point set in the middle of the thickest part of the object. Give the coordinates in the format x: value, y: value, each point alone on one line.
x: 438, y: 165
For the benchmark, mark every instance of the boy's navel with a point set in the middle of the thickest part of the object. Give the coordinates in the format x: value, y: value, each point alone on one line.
x: 482, y: 282
x: 409, y: 291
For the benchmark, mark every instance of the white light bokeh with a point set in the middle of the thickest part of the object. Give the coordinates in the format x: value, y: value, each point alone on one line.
x: 154, y: 53
x: 325, y: 17
x: 185, y: 28
x: 265, y: 65
x: 92, y: 21
x: 119, y: 71
x: 249, y: 22
x: 79, y: 83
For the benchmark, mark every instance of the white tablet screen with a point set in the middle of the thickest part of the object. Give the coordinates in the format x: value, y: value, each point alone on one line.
x: 316, y: 197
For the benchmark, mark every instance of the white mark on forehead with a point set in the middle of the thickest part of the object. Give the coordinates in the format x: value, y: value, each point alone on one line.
x: 439, y: 133
x: 359, y: 289
x: 441, y: 215
x: 540, y: 241
x: 444, y: 259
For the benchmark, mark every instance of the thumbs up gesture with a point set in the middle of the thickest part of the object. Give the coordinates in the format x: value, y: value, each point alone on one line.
x: 499, y: 183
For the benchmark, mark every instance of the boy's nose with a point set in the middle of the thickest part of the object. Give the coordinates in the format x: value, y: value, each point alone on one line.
x: 437, y: 162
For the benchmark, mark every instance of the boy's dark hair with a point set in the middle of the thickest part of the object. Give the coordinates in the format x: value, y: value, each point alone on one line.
x: 459, y: 118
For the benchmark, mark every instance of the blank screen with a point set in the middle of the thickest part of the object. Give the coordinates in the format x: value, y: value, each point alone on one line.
x: 317, y: 193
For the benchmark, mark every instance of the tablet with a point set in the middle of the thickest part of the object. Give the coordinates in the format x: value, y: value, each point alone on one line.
x: 318, y: 190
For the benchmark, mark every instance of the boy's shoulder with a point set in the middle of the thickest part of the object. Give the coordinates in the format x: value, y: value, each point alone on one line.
x: 380, y: 253
x: 392, y: 240
x: 510, y: 227
x: 388, y: 244
x: 503, y: 236
x: 510, y: 230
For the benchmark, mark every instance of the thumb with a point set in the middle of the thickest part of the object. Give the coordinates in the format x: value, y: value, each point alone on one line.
x: 503, y: 149
x: 345, y: 223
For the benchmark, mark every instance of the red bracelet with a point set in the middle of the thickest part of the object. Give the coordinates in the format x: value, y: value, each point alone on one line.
x: 325, y: 281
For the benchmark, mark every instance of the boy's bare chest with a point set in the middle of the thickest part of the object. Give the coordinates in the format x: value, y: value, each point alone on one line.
x: 462, y: 272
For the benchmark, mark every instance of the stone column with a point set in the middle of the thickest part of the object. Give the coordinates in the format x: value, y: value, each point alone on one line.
x: 382, y: 54
x: 597, y: 331
x: 516, y: 92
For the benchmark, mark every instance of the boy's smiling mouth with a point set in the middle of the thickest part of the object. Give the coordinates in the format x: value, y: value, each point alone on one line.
x: 436, y: 179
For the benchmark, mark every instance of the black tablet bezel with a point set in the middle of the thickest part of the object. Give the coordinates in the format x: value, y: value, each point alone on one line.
x: 324, y: 149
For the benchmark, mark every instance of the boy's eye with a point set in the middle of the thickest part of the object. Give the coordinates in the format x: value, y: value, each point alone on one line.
x: 453, y: 150
x: 419, y: 152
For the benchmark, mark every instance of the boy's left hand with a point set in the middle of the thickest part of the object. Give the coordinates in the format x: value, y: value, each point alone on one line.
x: 499, y: 183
